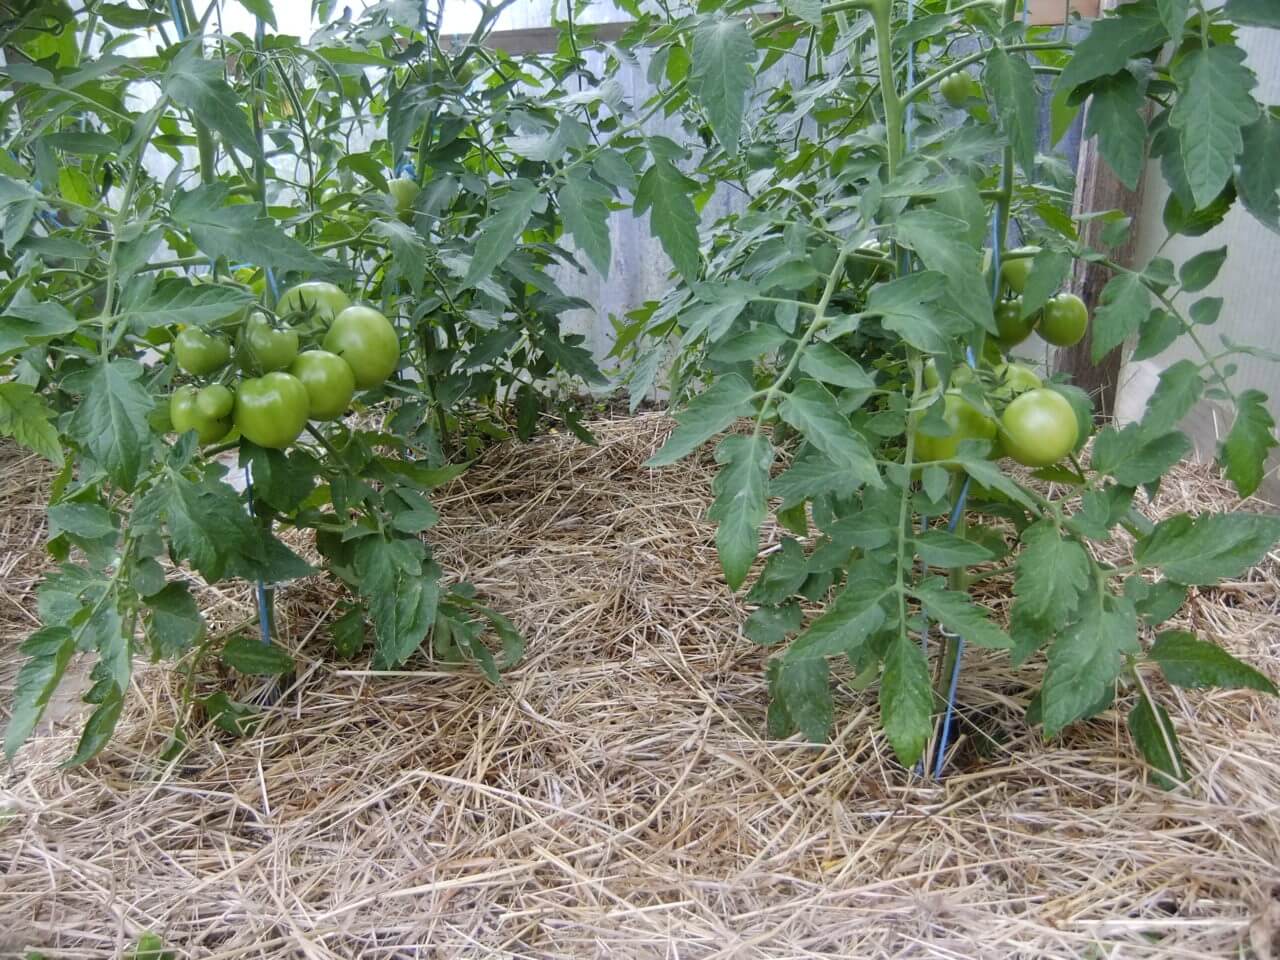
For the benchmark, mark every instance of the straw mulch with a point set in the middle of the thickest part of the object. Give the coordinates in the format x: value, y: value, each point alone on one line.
x: 616, y: 798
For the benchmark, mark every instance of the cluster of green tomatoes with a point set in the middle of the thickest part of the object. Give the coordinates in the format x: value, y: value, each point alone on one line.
x: 1035, y: 425
x: 271, y: 390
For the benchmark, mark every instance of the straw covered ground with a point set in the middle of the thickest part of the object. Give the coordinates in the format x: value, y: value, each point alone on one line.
x: 616, y: 797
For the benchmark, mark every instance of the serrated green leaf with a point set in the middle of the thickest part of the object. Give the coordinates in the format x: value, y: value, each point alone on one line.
x: 1178, y: 390
x: 1085, y: 659
x: 1122, y: 307
x: 262, y: 10
x: 173, y: 621
x: 251, y: 656
x: 1052, y: 574
x: 812, y: 410
x: 707, y: 414
x: 87, y: 521
x: 740, y: 505
x: 584, y: 204
x: 180, y: 301
x: 906, y: 699
x: 49, y: 651
x: 1214, y: 104
x: 723, y: 55
x: 1173, y: 13
x: 908, y: 307
x: 804, y: 689
x: 1159, y: 330
x: 855, y: 614
x: 1153, y: 733
x: 1112, y: 42
x: 945, y: 246
x: 1016, y: 94
x: 408, y: 251
x: 769, y: 625
x: 99, y: 727
x: 240, y: 232
x: 666, y: 194
x: 501, y: 230
x: 1245, y: 451
x: 24, y: 324
x: 1115, y: 118
x: 347, y: 633
x: 810, y: 476
x: 402, y: 589
x: 1154, y: 602
x: 1136, y: 455
x: 810, y: 11
x: 28, y: 419
x: 1048, y: 271
x: 958, y: 613
x: 1258, y: 179
x: 197, y: 85
x: 110, y: 423
x: 1208, y: 548
x: 1188, y: 661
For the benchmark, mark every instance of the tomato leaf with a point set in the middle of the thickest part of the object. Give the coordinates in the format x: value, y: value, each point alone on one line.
x: 197, y: 85
x: 846, y: 625
x: 1209, y: 548
x: 1179, y: 388
x: 402, y: 589
x: 1052, y: 574
x: 1213, y: 106
x: 99, y: 727
x: 944, y: 246
x: 812, y: 410
x: 501, y: 230
x: 958, y: 613
x: 49, y: 651
x: 1135, y: 455
x: 1115, y: 118
x: 739, y: 508
x: 1258, y: 179
x: 1188, y: 661
x: 1013, y: 87
x: 27, y: 417
x: 1244, y: 453
x: 1112, y: 41
x: 826, y: 363
x: 1201, y: 270
x: 110, y: 423
x: 707, y: 414
x: 1123, y: 306
x: 250, y: 655
x: 1153, y: 733
x: 938, y: 548
x: 803, y: 688
x: 664, y: 192
x: 173, y: 621
x: 723, y: 54
x: 180, y: 301
x: 906, y: 699
x: 24, y: 324
x: 584, y: 204
x: 1085, y: 659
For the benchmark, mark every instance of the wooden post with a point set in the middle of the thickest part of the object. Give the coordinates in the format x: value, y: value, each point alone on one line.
x: 1097, y: 188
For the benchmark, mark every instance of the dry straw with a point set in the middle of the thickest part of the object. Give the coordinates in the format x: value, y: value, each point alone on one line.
x: 616, y: 798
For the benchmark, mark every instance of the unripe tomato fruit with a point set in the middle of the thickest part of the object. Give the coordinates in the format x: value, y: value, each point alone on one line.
x: 1013, y: 327
x: 1065, y: 320
x: 314, y: 297
x: 215, y: 401
x: 1039, y: 428
x: 956, y: 88
x: 403, y: 192
x: 272, y: 409
x: 265, y: 347
x: 329, y: 382
x: 967, y: 422
x: 366, y: 340
x: 1014, y: 272
x: 961, y: 374
x: 184, y: 414
x: 1013, y: 379
x: 198, y: 353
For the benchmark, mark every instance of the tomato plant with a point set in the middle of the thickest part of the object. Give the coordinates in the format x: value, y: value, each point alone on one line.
x: 897, y: 242
x: 373, y: 223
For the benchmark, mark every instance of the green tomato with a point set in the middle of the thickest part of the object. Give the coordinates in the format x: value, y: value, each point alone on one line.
x: 367, y: 341
x: 1014, y: 272
x: 329, y: 382
x: 215, y: 401
x: 272, y: 410
x: 184, y: 414
x: 1039, y: 428
x: 266, y: 348
x: 1013, y: 379
x: 961, y: 374
x: 956, y: 88
x: 314, y: 298
x: 403, y: 192
x: 198, y: 353
x: 1013, y: 326
x: 1065, y: 320
x: 966, y: 421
